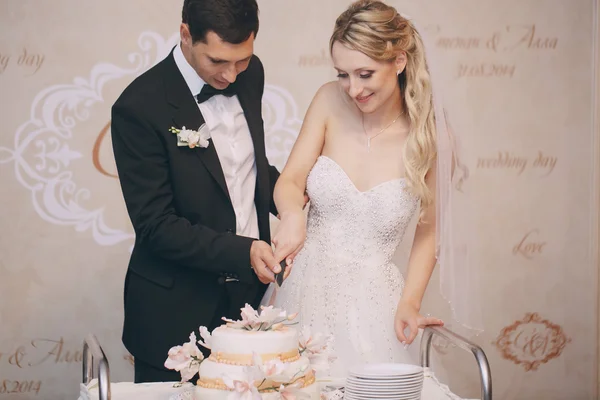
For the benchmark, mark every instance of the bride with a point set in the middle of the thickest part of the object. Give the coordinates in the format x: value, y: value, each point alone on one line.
x: 366, y: 155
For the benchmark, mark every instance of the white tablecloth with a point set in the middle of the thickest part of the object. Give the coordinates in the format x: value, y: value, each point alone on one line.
x: 432, y: 390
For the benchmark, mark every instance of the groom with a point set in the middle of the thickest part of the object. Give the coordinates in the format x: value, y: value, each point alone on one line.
x: 200, y: 209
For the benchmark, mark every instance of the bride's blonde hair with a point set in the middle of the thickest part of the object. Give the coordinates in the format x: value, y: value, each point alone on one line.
x: 380, y: 32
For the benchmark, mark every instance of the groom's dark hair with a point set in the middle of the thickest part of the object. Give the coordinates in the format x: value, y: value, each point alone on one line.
x: 232, y: 20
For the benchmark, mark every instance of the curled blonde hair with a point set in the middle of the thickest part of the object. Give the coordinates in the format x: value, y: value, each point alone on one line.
x: 381, y: 33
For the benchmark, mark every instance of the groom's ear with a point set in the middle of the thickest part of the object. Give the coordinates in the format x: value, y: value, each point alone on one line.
x: 185, y: 35
x: 400, y: 62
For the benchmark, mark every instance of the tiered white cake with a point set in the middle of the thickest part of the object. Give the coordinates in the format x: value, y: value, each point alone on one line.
x: 261, y: 354
x: 276, y: 362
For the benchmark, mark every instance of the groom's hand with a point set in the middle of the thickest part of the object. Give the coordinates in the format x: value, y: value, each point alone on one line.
x: 263, y: 262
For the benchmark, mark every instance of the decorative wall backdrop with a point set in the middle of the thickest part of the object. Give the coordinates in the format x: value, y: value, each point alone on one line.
x: 519, y: 85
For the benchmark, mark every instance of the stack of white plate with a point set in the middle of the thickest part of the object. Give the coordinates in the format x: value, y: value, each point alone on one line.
x: 385, y: 381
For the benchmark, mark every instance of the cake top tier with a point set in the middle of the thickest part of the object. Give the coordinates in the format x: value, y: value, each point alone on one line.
x: 266, y: 333
x: 228, y: 342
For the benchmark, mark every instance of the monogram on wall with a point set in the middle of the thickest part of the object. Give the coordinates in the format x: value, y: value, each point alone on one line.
x: 532, y: 341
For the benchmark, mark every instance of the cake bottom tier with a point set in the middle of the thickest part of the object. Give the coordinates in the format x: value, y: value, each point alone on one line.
x: 201, y: 393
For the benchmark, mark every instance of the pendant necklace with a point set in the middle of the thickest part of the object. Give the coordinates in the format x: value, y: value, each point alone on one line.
x: 378, y: 133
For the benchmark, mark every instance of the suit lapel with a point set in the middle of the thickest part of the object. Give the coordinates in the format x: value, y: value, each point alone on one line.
x: 186, y: 113
x: 251, y: 112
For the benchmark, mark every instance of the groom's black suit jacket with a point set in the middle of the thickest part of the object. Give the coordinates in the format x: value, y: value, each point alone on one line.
x: 186, y: 250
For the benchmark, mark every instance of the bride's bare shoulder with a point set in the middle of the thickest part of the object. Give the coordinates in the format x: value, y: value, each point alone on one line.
x: 330, y: 92
x: 331, y: 96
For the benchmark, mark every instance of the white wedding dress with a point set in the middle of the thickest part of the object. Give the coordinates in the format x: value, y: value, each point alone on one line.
x: 344, y: 281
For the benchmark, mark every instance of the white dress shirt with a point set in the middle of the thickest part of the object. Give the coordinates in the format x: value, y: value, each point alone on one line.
x: 230, y: 135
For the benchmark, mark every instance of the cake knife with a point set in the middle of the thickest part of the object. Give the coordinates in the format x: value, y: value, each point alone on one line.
x: 279, y: 276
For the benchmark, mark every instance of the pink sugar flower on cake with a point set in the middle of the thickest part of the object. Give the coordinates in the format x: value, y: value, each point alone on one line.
x: 250, y: 315
x: 275, y: 318
x: 243, y: 390
x: 274, y: 369
x: 270, y: 318
x: 185, y: 359
x: 205, y: 334
x: 292, y: 392
x: 313, y: 343
x: 270, y: 314
x: 246, y: 387
x: 249, y: 321
x: 317, y: 348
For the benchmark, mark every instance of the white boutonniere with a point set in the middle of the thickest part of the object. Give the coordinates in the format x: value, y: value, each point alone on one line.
x: 192, y: 138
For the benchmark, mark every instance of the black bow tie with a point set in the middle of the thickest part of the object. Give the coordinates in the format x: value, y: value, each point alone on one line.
x: 208, y: 91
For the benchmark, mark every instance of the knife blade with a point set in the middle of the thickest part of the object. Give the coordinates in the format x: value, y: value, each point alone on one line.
x: 279, y: 276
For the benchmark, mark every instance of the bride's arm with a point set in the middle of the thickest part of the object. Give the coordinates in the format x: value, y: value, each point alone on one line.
x: 291, y: 185
x: 421, y: 263
x: 422, y: 255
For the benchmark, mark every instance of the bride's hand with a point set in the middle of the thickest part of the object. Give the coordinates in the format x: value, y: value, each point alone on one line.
x: 407, y: 315
x: 290, y: 235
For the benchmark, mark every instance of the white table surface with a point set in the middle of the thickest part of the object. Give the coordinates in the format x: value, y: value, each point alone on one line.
x: 432, y: 390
